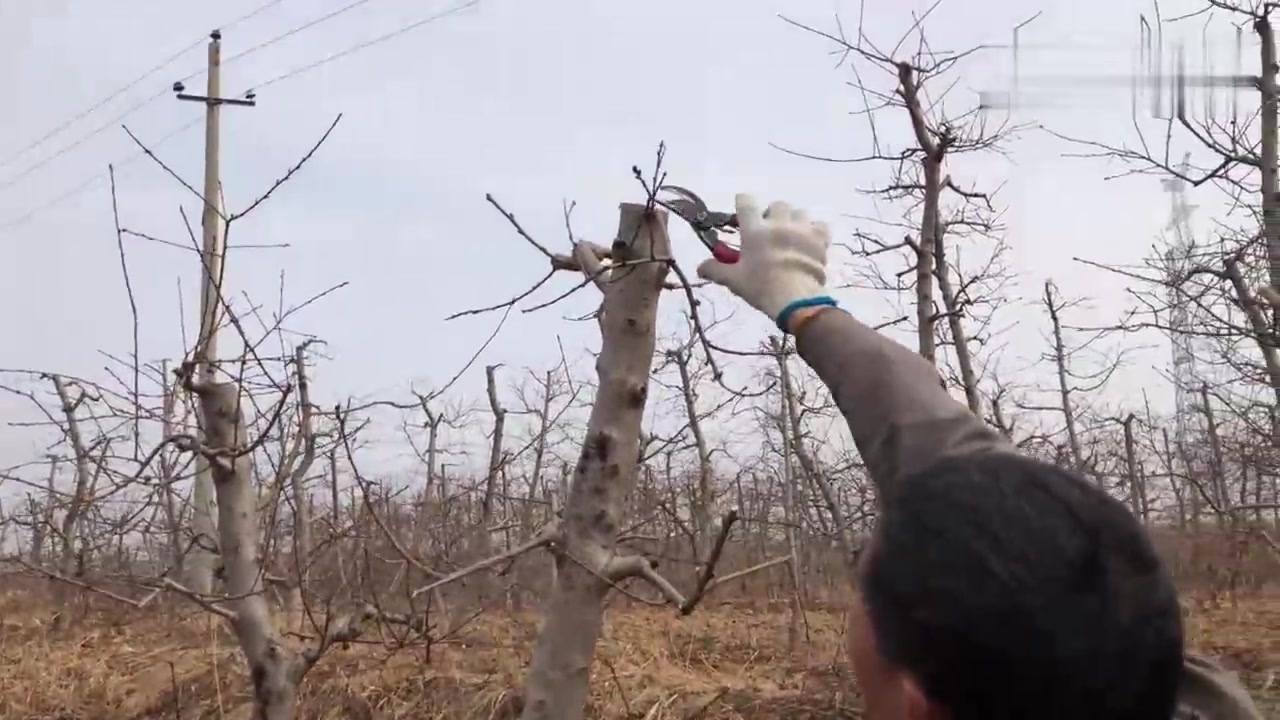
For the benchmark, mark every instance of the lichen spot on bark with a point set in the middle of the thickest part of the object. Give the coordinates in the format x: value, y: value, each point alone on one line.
x: 612, y: 471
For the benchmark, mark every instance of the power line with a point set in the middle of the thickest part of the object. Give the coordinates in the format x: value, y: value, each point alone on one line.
x: 290, y: 33
x: 9, y: 182
x: 75, y: 118
x: 130, y: 85
x: 369, y: 43
x: 88, y: 182
x: 256, y: 11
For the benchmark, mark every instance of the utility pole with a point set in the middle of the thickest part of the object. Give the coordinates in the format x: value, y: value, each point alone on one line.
x: 204, y: 557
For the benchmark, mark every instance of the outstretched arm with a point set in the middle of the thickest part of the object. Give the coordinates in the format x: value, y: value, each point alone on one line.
x: 902, y: 418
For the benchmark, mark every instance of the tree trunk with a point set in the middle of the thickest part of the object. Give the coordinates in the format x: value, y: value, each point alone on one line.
x: 955, y: 322
x: 1131, y: 468
x: 556, y: 684
x: 796, y: 618
x: 71, y: 526
x: 433, y: 441
x: 703, y: 499
x: 482, y: 540
x: 931, y: 166
x: 840, y: 528
x: 536, y: 485
x: 1217, y: 490
x: 1269, y: 138
x: 168, y: 474
x: 1064, y: 389
x: 274, y: 668
x: 1178, y: 485
x: 301, y: 458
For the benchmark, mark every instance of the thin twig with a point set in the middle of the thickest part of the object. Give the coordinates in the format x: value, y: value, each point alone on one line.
x: 285, y: 178
x: 133, y: 313
x: 208, y: 202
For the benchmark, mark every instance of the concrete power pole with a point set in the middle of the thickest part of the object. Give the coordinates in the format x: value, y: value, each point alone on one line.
x: 203, y: 558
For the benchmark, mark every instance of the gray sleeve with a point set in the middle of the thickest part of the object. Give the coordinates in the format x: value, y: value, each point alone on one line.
x: 902, y: 418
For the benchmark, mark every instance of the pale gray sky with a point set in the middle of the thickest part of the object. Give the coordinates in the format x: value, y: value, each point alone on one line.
x: 534, y: 101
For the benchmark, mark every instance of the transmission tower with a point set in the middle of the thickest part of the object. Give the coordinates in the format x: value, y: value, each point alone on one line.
x: 1185, y: 318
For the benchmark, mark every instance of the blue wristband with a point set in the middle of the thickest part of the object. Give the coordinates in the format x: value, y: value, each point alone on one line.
x: 795, y: 305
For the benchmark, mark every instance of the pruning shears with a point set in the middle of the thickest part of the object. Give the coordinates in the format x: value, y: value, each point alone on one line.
x: 707, y: 224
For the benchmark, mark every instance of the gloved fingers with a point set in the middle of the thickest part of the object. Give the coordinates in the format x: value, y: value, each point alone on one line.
x: 821, y: 229
x: 748, y: 211
x: 778, y: 210
x: 719, y: 273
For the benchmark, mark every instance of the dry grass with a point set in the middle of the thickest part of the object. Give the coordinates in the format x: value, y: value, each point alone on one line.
x: 722, y: 663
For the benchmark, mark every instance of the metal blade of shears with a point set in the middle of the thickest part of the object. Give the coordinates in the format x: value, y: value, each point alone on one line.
x: 706, y: 224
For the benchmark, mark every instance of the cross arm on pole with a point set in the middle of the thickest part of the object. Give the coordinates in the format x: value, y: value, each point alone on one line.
x: 246, y: 102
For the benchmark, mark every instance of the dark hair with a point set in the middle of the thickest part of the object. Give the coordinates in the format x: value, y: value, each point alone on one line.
x: 1012, y: 589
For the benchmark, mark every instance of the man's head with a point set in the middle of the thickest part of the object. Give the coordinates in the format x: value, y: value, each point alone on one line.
x: 997, y: 587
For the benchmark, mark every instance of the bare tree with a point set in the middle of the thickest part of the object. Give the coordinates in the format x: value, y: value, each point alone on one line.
x: 920, y: 180
x: 631, y: 274
x: 1197, y: 291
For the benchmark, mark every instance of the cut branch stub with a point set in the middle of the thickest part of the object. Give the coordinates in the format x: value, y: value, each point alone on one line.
x: 556, y: 685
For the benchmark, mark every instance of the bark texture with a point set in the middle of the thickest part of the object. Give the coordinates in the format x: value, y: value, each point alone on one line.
x: 274, y: 668
x: 556, y: 684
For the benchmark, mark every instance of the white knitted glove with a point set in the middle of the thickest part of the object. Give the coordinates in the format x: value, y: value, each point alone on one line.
x: 783, y: 260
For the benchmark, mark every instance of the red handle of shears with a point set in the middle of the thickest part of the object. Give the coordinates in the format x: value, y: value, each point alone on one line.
x: 724, y: 253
